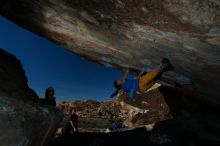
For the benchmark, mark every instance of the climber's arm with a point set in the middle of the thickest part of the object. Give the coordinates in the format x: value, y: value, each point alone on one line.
x: 125, y: 74
x: 71, y: 123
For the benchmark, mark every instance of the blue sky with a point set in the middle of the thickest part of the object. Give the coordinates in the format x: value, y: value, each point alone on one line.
x: 47, y: 64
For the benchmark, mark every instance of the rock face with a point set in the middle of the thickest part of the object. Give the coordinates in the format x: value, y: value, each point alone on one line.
x: 23, y: 122
x: 134, y: 34
x: 149, y: 108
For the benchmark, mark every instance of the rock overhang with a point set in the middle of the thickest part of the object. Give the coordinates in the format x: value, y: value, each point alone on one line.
x: 132, y: 34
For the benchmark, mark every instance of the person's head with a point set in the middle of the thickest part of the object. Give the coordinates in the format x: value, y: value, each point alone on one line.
x: 117, y: 85
x: 49, y: 93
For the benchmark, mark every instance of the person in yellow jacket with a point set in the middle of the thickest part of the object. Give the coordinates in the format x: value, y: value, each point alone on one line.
x: 142, y: 83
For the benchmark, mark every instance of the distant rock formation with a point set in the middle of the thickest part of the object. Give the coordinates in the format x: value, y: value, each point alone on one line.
x: 23, y: 122
x: 150, y: 108
x: 13, y: 81
x: 134, y: 33
x: 93, y: 109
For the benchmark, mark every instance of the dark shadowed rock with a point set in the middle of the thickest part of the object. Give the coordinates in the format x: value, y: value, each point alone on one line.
x: 134, y: 33
x: 13, y: 81
x: 23, y: 122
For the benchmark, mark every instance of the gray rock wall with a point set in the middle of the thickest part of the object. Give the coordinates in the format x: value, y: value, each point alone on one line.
x: 22, y: 121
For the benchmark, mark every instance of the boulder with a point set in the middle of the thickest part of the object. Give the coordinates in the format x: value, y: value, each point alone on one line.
x: 23, y: 121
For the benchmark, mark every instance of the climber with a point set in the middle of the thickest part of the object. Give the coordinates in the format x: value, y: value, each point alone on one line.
x: 49, y: 97
x: 142, y: 83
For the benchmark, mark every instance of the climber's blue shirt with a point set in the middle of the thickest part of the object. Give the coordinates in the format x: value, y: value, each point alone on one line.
x: 130, y: 86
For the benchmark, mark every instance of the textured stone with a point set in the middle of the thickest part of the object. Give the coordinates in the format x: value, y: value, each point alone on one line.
x: 134, y: 33
x: 23, y: 122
